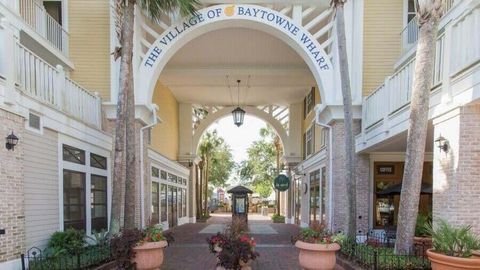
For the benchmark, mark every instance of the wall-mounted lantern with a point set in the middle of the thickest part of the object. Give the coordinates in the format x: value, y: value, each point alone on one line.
x: 12, y: 141
x: 442, y: 143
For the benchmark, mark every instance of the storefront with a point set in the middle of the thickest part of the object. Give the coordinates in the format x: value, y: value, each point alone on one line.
x: 168, y: 194
x: 387, y: 188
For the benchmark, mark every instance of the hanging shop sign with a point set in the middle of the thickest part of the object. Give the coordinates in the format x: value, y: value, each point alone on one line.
x: 281, y: 182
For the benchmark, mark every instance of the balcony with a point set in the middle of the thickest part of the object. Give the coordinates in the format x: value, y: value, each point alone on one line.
x: 38, y: 19
x: 409, y: 34
x: 456, y: 71
x: 51, y: 86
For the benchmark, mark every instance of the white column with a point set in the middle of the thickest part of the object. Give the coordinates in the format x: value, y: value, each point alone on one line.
x: 7, y: 60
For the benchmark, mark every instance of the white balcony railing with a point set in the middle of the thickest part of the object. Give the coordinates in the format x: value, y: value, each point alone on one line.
x: 409, y: 34
x: 462, y: 52
x: 35, y: 15
x: 48, y: 84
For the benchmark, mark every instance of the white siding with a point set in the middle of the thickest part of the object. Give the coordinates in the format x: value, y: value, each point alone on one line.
x: 41, y: 187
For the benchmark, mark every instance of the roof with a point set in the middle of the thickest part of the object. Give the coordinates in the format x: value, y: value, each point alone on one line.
x: 239, y: 189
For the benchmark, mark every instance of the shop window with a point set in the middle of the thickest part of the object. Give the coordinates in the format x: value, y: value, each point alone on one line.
x: 74, y: 200
x: 98, y: 198
x: 155, y: 172
x: 163, y: 175
x: 163, y: 201
x: 309, y: 102
x: 73, y: 154
x: 315, y: 196
x: 155, y: 203
x: 98, y: 161
x: 184, y: 203
x: 323, y: 194
x: 298, y: 199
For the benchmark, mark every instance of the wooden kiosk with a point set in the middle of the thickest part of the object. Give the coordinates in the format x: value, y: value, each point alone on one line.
x: 240, y: 202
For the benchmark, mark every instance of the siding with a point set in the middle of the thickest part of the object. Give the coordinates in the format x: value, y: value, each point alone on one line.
x: 89, y: 29
x: 165, y: 134
x: 383, y: 20
x: 41, y: 187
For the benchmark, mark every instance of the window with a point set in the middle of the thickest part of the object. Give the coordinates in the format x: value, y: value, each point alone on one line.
x: 74, y: 200
x: 411, y: 10
x: 184, y: 203
x: 323, y: 138
x: 163, y: 201
x: 98, y: 161
x: 323, y: 194
x: 155, y: 203
x: 309, y: 102
x: 308, y: 142
x: 315, y: 196
x: 73, y: 154
x: 155, y: 172
x: 98, y: 199
x: 54, y: 9
x: 163, y: 175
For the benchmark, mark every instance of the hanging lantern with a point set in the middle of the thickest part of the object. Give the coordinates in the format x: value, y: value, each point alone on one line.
x: 12, y: 141
x: 238, y: 115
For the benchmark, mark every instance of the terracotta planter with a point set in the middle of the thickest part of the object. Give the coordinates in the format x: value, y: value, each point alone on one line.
x: 422, y: 244
x: 443, y: 262
x: 149, y: 255
x: 317, y: 256
x: 243, y: 265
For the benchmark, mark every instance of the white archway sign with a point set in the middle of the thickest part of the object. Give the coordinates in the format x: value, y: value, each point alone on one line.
x: 228, y: 16
x: 250, y: 110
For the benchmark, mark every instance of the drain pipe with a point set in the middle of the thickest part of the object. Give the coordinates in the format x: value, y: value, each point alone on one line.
x: 330, y: 171
x: 142, y: 169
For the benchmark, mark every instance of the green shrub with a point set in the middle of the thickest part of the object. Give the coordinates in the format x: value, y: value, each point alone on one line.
x: 278, y: 218
x: 70, y: 241
x: 423, y: 221
x: 454, y: 241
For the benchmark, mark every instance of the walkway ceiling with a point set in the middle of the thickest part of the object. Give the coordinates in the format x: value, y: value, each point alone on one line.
x: 197, y: 73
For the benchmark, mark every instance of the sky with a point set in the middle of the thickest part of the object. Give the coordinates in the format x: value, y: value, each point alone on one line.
x: 238, y: 138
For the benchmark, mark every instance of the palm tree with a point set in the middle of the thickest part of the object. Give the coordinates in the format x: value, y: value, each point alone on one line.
x: 125, y: 173
x: 268, y: 132
x: 429, y: 13
x: 348, y: 117
x: 210, y: 142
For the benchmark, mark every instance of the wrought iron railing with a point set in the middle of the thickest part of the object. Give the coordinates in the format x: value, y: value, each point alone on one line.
x: 376, y: 251
x: 89, y: 257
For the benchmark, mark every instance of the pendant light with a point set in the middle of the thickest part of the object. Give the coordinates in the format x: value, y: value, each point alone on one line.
x: 238, y: 114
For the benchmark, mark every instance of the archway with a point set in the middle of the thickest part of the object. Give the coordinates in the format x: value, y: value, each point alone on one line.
x: 228, y: 16
x: 250, y: 110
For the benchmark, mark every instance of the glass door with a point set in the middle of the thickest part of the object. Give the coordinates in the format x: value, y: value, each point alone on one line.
x: 169, y: 206
x: 174, y: 207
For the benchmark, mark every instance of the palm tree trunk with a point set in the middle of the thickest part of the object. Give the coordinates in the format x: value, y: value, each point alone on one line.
x: 417, y: 132
x: 127, y: 55
x: 348, y: 119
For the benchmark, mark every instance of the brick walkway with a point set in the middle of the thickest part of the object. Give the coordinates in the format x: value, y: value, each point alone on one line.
x: 190, y: 250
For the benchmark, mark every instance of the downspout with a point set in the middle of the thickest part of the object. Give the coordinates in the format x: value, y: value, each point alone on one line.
x: 330, y: 171
x: 142, y: 169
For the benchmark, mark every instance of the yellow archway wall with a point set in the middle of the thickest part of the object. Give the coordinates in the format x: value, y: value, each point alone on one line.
x: 164, y: 136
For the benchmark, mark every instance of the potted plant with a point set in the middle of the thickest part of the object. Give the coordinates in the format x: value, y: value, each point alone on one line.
x: 317, y: 247
x: 142, y: 249
x: 422, y: 239
x: 234, y: 249
x: 453, y: 247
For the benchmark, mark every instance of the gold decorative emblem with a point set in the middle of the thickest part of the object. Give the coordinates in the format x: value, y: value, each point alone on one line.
x: 230, y: 10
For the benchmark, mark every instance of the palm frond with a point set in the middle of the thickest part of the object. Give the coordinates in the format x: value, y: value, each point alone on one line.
x: 156, y: 8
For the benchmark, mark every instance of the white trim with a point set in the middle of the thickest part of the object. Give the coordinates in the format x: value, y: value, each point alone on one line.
x: 166, y: 164
x: 88, y: 171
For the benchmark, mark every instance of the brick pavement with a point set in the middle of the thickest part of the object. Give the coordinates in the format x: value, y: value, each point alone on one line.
x: 190, y: 250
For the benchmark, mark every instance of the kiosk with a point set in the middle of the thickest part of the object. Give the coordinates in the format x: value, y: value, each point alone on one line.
x: 240, y: 202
